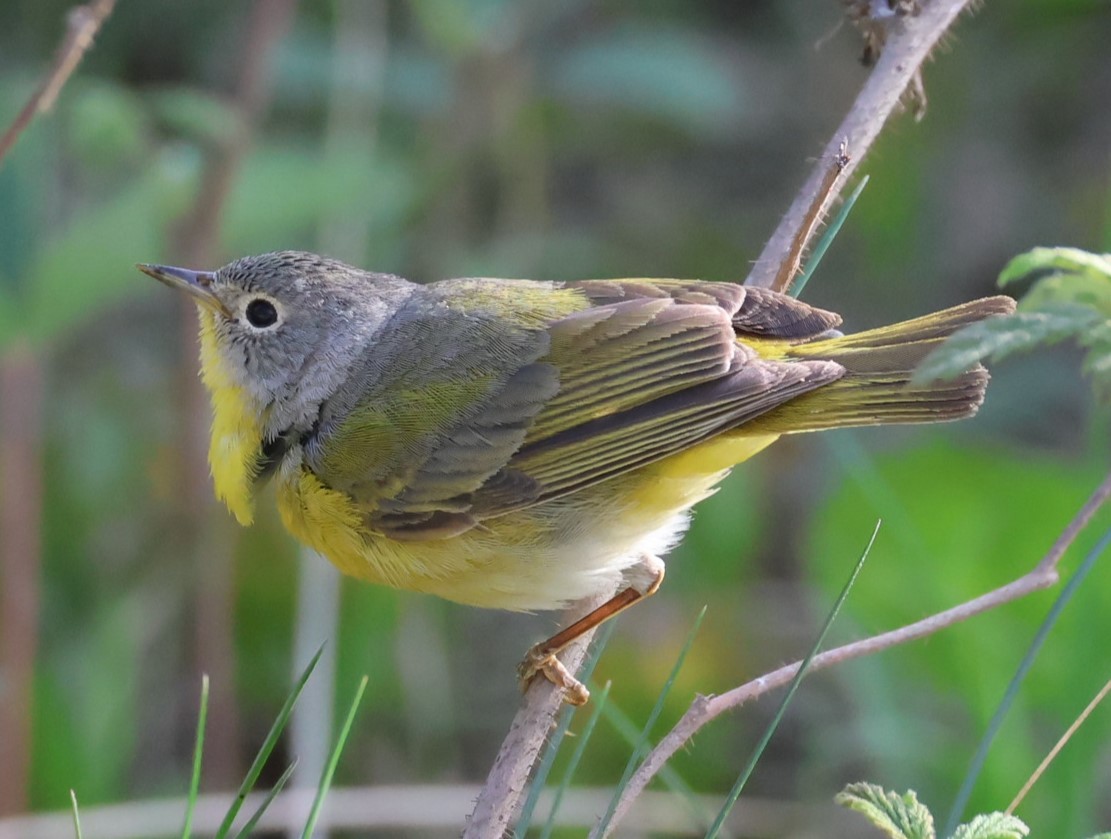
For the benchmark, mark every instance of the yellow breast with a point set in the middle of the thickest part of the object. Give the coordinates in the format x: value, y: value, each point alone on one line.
x: 538, y: 558
x: 236, y: 427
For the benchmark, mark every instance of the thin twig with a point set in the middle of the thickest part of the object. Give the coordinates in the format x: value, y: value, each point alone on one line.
x: 1060, y: 744
x: 82, y: 24
x: 910, y: 42
x: 706, y: 708
x: 812, y: 218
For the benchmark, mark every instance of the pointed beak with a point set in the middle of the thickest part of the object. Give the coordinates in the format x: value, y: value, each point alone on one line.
x: 198, y: 284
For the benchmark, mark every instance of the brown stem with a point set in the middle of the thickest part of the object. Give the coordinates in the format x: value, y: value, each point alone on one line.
x: 706, y: 708
x: 21, y: 394
x: 906, y: 49
x: 83, y: 22
x: 502, y: 794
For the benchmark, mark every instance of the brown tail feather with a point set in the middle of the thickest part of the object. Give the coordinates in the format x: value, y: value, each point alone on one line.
x: 879, y: 363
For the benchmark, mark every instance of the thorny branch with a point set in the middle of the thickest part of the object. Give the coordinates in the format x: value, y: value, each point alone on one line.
x: 706, y: 708
x: 908, y: 45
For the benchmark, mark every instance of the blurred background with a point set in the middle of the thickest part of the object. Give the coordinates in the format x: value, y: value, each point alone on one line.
x: 565, y: 140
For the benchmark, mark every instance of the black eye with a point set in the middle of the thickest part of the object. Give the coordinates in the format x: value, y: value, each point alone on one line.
x: 261, y: 313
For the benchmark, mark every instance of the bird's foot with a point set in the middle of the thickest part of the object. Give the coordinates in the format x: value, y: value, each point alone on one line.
x: 541, y: 661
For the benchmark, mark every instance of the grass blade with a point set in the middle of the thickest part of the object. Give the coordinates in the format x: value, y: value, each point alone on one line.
x: 1011, y: 693
x: 545, y: 766
x: 746, y: 773
x: 668, y: 774
x: 267, y: 747
x: 576, y: 756
x: 245, y: 831
x: 827, y: 239
x: 1060, y: 744
x: 333, y: 760
x: 642, y: 744
x: 76, y: 816
x: 198, y: 751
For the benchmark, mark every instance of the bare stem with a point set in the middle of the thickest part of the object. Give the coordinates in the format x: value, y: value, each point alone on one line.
x: 507, y: 783
x: 21, y: 396
x: 83, y: 23
x: 706, y: 708
x: 910, y: 42
x: 21, y: 468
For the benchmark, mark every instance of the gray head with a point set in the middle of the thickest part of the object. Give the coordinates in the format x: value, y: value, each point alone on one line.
x: 285, y: 326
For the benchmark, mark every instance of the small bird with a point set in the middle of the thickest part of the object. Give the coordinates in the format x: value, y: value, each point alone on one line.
x: 518, y: 444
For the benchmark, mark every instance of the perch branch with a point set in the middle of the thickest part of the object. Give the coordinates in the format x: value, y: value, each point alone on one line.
x: 507, y: 783
x: 706, y: 708
x: 909, y: 44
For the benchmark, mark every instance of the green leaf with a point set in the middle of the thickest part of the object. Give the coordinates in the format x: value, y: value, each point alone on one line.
x: 1071, y: 298
x: 750, y: 767
x: 264, y: 805
x: 1054, y: 261
x: 267, y: 747
x: 573, y: 763
x: 198, y: 752
x: 642, y: 746
x: 76, y: 815
x: 1089, y: 290
x: 1002, y: 336
x: 899, y: 816
x: 325, y: 783
x: 993, y: 826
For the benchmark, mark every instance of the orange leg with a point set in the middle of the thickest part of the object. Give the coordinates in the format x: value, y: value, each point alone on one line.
x: 542, y: 658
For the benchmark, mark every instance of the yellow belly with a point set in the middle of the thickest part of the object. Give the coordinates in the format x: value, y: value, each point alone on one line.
x: 541, y: 557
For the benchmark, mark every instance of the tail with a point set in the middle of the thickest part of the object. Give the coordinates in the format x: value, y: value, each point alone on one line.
x: 878, y: 366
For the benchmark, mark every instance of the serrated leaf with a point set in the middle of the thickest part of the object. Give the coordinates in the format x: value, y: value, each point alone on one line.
x: 1001, y: 336
x: 899, y: 816
x: 992, y: 826
x: 1089, y: 290
x: 1054, y: 261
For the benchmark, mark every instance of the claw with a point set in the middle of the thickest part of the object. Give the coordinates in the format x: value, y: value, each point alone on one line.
x: 538, y: 662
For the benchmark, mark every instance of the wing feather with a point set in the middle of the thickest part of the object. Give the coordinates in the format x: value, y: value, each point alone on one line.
x: 461, y: 417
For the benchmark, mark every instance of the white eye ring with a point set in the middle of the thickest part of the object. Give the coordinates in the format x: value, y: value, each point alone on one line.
x: 262, y: 312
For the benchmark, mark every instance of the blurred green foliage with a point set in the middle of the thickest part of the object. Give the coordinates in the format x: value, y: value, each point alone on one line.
x: 562, y: 141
